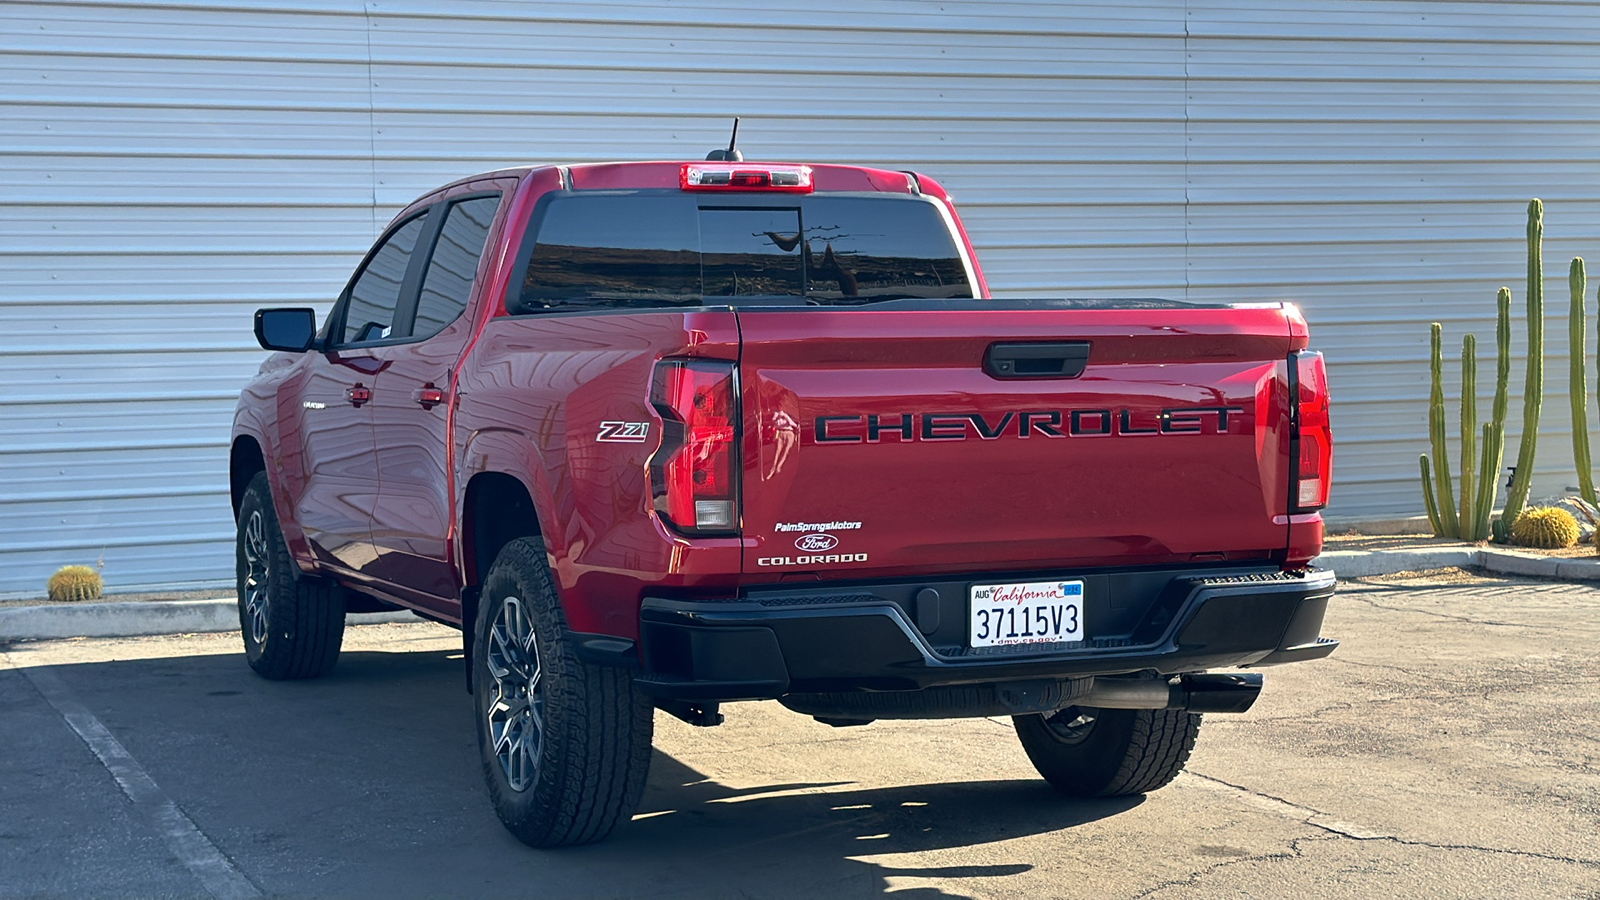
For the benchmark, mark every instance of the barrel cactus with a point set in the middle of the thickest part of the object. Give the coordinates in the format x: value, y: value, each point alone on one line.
x: 74, y: 583
x: 1545, y: 526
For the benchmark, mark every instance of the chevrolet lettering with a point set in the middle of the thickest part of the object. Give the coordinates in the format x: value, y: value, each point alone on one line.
x: 1053, y: 423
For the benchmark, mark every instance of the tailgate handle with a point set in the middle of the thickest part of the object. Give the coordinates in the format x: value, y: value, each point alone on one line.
x: 1049, y: 359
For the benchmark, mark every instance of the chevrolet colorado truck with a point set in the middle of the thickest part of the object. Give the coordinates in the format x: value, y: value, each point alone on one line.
x: 665, y: 435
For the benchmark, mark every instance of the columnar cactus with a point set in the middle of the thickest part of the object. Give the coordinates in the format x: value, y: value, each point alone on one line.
x: 1494, y: 433
x: 1533, y: 389
x: 1469, y: 431
x: 1479, y: 461
x: 1577, y: 386
x: 1445, y: 499
x: 1479, y: 485
x: 1427, y: 498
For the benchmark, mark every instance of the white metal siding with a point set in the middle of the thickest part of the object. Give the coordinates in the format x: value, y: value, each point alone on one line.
x: 165, y: 170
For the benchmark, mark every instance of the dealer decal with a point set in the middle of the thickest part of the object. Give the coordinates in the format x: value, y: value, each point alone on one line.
x: 817, y: 526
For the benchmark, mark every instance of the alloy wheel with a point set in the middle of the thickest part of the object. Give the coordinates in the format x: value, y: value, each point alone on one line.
x: 515, y: 705
x: 256, y: 556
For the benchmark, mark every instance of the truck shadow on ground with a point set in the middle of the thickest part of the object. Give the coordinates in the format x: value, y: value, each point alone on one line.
x: 821, y: 831
x: 367, y: 782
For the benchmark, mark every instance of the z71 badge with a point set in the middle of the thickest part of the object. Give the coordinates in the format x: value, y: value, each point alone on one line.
x: 623, y: 432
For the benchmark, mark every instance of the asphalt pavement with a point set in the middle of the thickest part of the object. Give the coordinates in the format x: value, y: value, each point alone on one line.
x: 1451, y: 748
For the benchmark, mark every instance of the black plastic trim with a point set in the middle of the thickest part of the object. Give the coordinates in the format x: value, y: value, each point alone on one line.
x: 1317, y: 649
x: 605, y: 650
x: 1036, y: 359
x: 750, y: 649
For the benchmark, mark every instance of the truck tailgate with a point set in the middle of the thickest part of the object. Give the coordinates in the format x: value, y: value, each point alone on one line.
x: 879, y: 441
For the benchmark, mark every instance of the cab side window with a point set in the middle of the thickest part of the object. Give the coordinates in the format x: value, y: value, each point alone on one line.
x: 370, y: 311
x: 454, y: 264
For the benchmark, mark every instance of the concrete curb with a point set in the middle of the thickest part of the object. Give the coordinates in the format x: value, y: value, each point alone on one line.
x: 138, y: 618
x: 1513, y: 562
x: 1360, y: 563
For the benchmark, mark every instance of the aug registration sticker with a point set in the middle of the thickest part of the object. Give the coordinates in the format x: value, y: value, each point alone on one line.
x: 1033, y: 613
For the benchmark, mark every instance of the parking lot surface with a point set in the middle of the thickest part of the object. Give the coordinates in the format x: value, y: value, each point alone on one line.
x: 1450, y: 748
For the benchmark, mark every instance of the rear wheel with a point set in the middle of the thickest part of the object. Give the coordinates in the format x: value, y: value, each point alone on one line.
x: 565, y: 745
x: 292, y: 625
x: 1090, y: 752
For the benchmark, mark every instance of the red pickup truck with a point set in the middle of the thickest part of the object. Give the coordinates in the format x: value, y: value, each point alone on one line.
x: 664, y: 435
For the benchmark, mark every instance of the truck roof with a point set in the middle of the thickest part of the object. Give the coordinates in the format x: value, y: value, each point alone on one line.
x: 665, y: 174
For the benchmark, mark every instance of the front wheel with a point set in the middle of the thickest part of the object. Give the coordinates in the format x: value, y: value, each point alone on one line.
x: 1090, y: 752
x: 565, y: 744
x: 292, y: 625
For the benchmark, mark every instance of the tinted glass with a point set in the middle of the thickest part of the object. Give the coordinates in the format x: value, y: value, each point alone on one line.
x: 750, y: 251
x: 369, y: 316
x: 614, y: 250
x: 860, y: 249
x: 656, y: 250
x: 453, y: 265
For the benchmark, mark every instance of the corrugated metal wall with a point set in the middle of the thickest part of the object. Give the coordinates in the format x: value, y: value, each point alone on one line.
x: 164, y: 170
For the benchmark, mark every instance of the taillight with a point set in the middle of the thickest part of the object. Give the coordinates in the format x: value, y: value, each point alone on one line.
x: 695, y: 473
x: 745, y: 177
x: 1312, y: 439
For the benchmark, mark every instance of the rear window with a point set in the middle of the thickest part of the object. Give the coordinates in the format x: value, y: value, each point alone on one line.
x: 648, y: 250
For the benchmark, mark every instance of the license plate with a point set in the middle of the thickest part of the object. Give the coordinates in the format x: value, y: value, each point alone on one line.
x: 1033, y: 613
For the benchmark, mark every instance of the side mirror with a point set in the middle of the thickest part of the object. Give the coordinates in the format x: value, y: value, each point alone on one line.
x: 289, y: 329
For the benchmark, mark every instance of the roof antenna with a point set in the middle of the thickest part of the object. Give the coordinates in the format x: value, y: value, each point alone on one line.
x: 730, y: 154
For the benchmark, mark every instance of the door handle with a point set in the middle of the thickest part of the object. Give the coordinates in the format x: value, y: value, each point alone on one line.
x: 1048, y: 359
x: 358, y: 395
x: 429, y: 395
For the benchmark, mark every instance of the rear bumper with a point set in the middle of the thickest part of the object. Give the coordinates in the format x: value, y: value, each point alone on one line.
x: 904, y: 636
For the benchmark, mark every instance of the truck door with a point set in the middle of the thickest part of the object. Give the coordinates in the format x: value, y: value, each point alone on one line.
x: 411, y: 526
x: 341, y: 474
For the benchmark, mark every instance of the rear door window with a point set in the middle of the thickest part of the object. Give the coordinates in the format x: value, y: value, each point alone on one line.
x: 369, y: 312
x: 453, y: 265
x: 653, y: 250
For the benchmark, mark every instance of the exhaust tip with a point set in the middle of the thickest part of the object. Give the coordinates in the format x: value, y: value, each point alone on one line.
x: 1221, y: 693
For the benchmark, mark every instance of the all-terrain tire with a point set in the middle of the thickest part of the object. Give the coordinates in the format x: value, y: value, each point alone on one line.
x: 292, y: 624
x: 586, y: 771
x: 1108, y: 752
